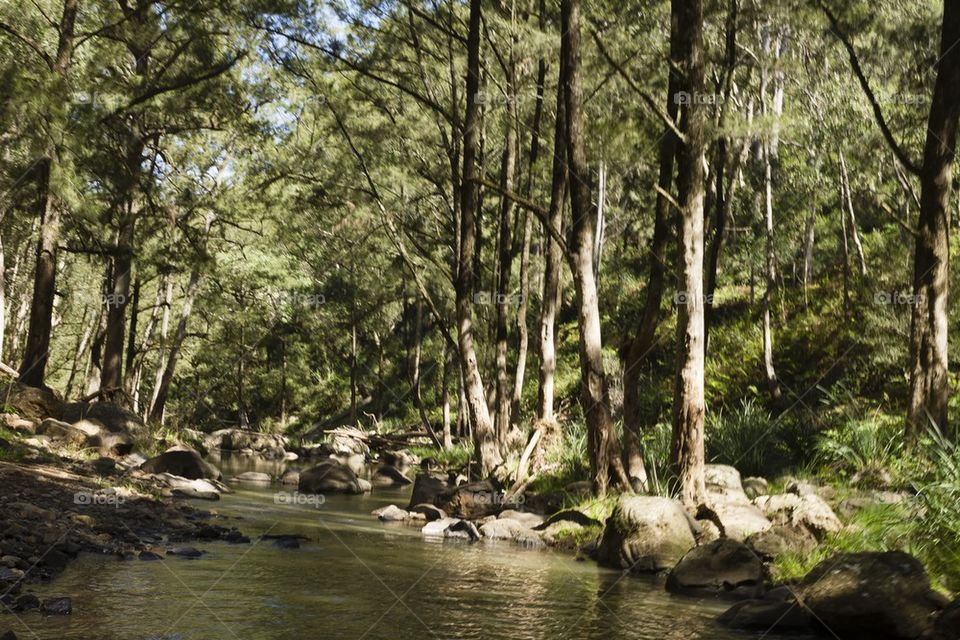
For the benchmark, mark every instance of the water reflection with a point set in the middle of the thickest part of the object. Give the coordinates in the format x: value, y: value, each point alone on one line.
x: 357, y: 578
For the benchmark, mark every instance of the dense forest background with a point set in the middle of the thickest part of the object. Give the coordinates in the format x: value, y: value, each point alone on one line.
x: 261, y: 214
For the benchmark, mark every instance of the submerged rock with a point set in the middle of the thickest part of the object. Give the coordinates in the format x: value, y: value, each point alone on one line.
x: 645, y: 534
x: 388, y: 476
x: 57, y: 606
x: 723, y: 567
x: 767, y: 616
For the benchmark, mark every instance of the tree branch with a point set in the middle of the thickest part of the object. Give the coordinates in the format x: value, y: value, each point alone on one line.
x: 898, y: 151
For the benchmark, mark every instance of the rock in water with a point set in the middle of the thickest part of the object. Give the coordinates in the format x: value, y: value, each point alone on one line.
x: 723, y: 567
x: 388, y: 476
x: 767, y: 616
x: 184, y: 463
x: 56, y: 606
x: 645, y: 534
x: 252, y: 477
x: 861, y: 596
x: 329, y: 477
x: 471, y: 500
x: 428, y: 511
x: 426, y: 488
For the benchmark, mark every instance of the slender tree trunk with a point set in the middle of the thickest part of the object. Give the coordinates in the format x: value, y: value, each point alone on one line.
x: 37, y: 349
x: 131, y: 354
x: 82, y: 341
x: 158, y: 407
x: 553, y: 262
x: 445, y: 398
x: 773, y: 385
x: 852, y: 220
x: 162, y: 343
x: 809, y: 239
x: 603, y: 446
x: 485, y: 442
x: 643, y: 340
x: 503, y: 299
x: 929, y: 384
x: 688, y: 403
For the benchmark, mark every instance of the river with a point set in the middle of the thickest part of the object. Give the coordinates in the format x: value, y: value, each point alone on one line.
x: 357, y: 578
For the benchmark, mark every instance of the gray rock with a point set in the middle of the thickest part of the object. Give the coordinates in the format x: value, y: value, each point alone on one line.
x: 290, y: 476
x: 56, y: 606
x: 781, y: 539
x: 645, y: 534
x: 808, y: 510
x: 388, y: 476
x: 768, y: 617
x: 527, y: 519
x: 428, y: 511
x: 426, y: 488
x: 754, y: 487
x: 392, y: 513
x: 723, y: 567
x: 252, y: 477
x: 186, y: 464
x: 329, y: 477
x: 437, y: 527
x: 872, y: 595
x: 471, y: 500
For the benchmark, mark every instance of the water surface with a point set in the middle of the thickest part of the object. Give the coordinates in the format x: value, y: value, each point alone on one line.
x: 355, y: 579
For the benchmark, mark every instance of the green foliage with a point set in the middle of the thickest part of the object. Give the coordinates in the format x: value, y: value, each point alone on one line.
x: 871, y: 444
x: 753, y: 441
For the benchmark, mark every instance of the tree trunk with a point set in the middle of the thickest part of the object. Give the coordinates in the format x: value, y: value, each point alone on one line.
x: 603, y: 447
x: 445, y: 398
x: 162, y: 343
x: 688, y: 402
x: 553, y: 262
x: 929, y: 385
x: 485, y: 442
x: 158, y: 407
x: 852, y: 220
x: 643, y: 340
x: 37, y: 349
x: 502, y: 298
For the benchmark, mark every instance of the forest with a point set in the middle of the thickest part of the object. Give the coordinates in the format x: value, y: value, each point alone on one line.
x: 662, y: 285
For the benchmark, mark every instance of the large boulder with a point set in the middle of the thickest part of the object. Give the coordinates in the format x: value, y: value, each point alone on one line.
x: 65, y: 433
x: 185, y: 463
x: 112, y: 418
x: 948, y: 623
x: 236, y: 439
x: 329, y: 477
x: 730, y: 507
x: 873, y: 595
x: 32, y: 403
x: 723, y: 567
x: 471, y: 500
x: 808, y: 510
x: 645, y: 534
x: 781, y: 539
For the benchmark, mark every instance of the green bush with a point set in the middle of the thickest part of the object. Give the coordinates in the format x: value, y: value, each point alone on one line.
x: 872, y: 444
x: 750, y: 439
